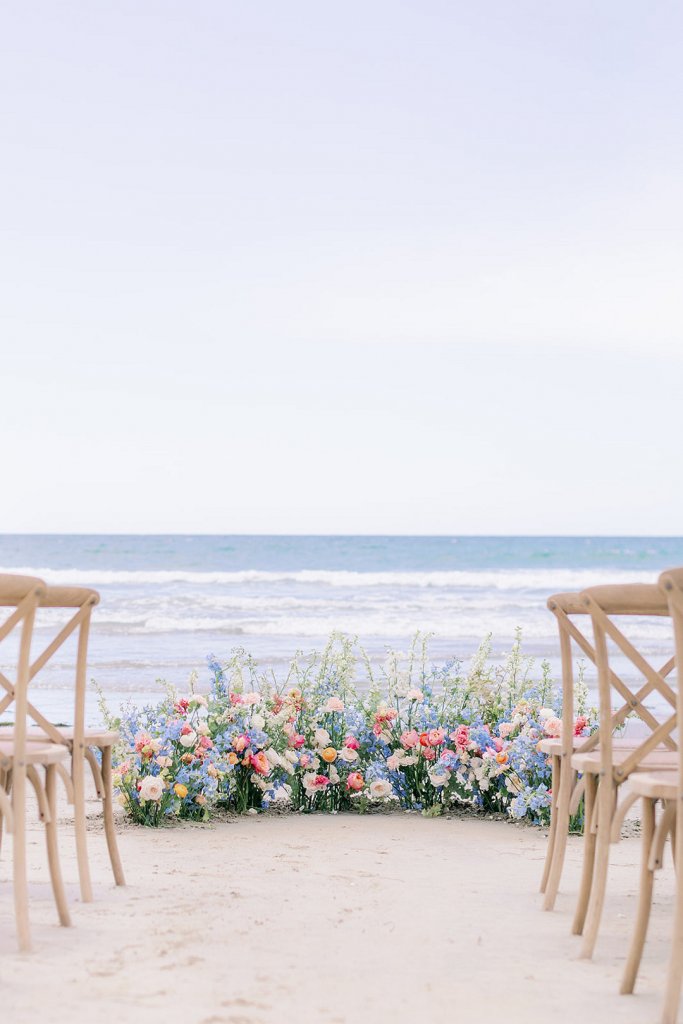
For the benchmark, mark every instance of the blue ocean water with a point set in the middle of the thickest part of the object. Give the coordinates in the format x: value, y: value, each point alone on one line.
x: 169, y: 600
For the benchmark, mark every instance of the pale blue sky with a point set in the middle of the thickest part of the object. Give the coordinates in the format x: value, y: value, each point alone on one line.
x: 374, y: 267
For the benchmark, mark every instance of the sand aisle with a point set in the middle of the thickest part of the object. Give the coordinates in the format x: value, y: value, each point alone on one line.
x: 336, y: 920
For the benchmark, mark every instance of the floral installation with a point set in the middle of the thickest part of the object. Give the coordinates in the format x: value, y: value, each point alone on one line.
x: 338, y: 734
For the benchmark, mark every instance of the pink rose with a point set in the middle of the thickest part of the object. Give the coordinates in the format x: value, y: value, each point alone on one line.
x: 505, y: 729
x: 552, y: 727
x: 436, y: 737
x: 461, y: 737
x: 579, y: 725
x: 409, y: 739
x: 352, y: 743
x: 355, y: 781
x: 429, y: 754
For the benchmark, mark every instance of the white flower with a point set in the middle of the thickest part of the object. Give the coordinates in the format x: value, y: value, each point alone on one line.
x: 203, y: 729
x: 379, y: 789
x: 417, y: 695
x: 322, y: 738
x: 348, y: 754
x: 291, y: 756
x: 200, y: 700
x: 546, y: 713
x: 189, y: 739
x: 406, y: 761
x: 258, y: 721
x: 151, y: 788
x: 439, y: 777
x: 334, y: 775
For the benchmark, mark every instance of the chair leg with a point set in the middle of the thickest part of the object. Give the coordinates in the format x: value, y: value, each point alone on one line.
x: 606, y: 795
x: 591, y: 785
x: 562, y: 832
x: 19, y: 860
x: 674, y: 979
x: 552, y: 831
x: 78, y: 776
x: 108, y: 807
x: 53, y: 848
x: 647, y: 877
x: 6, y: 784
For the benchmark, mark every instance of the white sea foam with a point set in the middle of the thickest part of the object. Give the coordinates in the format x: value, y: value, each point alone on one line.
x: 549, y: 580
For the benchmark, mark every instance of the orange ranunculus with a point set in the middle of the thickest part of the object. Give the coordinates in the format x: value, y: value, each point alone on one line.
x: 232, y: 758
x: 180, y: 790
x: 501, y: 757
x: 187, y: 758
x: 329, y: 755
x: 424, y: 739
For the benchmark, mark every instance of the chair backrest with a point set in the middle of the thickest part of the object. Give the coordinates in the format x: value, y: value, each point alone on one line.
x: 566, y: 607
x: 82, y: 600
x: 671, y: 582
x: 605, y: 603
x: 21, y: 594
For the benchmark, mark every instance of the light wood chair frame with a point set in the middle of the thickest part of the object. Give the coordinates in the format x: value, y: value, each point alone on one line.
x: 663, y: 791
x: 81, y: 742
x: 19, y: 761
x: 567, y: 786
x: 603, y: 603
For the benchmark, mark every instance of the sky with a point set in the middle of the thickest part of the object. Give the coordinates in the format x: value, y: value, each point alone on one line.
x: 378, y: 267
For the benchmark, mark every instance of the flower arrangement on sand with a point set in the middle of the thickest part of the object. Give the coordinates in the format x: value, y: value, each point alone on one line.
x: 418, y: 737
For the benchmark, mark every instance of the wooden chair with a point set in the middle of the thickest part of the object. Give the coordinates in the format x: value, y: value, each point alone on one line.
x: 567, y: 785
x: 20, y: 760
x: 611, y: 764
x: 79, y: 743
x: 664, y: 789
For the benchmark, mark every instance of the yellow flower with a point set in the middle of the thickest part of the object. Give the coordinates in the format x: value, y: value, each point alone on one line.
x: 180, y: 790
x: 329, y: 754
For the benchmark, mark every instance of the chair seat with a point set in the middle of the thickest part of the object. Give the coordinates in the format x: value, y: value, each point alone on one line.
x: 660, y: 759
x: 554, y: 746
x: 35, y: 753
x: 92, y: 737
x: 655, y: 785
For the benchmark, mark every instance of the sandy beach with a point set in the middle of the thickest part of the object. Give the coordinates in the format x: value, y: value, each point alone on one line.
x: 334, y: 919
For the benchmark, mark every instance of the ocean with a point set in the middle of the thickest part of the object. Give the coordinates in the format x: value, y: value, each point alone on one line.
x: 169, y: 601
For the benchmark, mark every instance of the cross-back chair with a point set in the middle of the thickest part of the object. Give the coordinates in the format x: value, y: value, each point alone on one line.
x: 20, y: 760
x: 567, y: 785
x: 662, y: 794
x: 611, y: 764
x: 79, y: 742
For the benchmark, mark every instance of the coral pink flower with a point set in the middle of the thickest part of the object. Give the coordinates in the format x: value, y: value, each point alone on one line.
x: 259, y: 762
x: 296, y: 740
x: 206, y: 743
x: 552, y: 727
x: 235, y: 699
x: 579, y: 725
x: 429, y: 754
x: 240, y: 743
x: 436, y: 737
x: 334, y: 704
x: 377, y: 729
x: 424, y: 739
x: 409, y: 739
x: 498, y: 743
x: 355, y: 781
x: 305, y: 760
x: 181, y: 706
x: 142, y: 740
x: 352, y: 743
x: 505, y: 728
